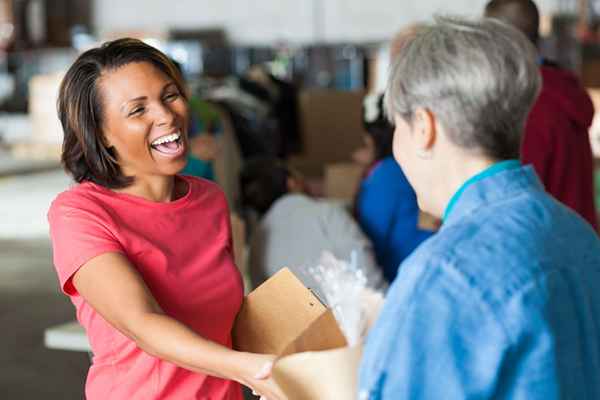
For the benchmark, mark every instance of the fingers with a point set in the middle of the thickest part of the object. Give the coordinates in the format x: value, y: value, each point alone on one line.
x: 267, y: 390
x: 265, y: 371
x: 256, y: 394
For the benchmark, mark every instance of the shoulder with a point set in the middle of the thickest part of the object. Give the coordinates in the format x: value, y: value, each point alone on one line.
x: 332, y: 210
x: 201, y: 183
x: 386, y: 175
x: 84, y: 210
x: 502, y: 256
x: 388, y: 167
x: 204, y: 189
x: 82, y: 196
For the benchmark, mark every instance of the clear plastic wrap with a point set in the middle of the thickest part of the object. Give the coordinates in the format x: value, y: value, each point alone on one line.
x: 344, y: 287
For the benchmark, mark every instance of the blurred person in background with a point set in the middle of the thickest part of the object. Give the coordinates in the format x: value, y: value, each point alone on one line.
x: 557, y: 140
x: 294, y: 229
x: 386, y: 205
x: 204, y: 125
x: 144, y: 253
x: 503, y: 302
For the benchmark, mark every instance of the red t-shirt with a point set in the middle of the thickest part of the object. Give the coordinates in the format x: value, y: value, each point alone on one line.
x: 183, y: 251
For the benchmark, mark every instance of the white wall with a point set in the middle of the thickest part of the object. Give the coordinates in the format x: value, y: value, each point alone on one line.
x: 266, y: 21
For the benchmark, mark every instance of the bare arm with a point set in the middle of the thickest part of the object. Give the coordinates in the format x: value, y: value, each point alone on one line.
x: 112, y: 286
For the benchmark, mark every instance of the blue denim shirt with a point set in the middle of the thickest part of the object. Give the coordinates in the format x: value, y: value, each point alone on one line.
x: 503, y: 303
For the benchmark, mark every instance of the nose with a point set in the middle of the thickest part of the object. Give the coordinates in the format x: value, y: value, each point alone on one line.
x: 164, y: 116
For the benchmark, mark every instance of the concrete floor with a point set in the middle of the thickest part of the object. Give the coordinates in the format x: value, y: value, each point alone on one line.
x: 29, y: 296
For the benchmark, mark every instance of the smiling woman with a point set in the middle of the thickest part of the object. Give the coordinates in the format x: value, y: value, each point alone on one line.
x: 145, y: 116
x: 104, y: 95
x: 144, y: 254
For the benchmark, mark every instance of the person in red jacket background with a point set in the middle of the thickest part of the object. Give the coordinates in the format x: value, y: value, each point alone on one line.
x: 556, y: 139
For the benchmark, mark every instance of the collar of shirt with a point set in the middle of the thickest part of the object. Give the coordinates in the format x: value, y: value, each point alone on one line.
x: 477, y: 190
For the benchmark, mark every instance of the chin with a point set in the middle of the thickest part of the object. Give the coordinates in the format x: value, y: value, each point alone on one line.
x: 175, y: 167
x: 420, y: 204
x: 423, y: 206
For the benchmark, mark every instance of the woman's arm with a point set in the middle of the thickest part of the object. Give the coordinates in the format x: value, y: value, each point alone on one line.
x: 112, y: 286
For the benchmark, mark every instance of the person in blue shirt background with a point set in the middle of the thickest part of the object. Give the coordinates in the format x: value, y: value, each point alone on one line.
x: 504, y: 301
x: 386, y: 205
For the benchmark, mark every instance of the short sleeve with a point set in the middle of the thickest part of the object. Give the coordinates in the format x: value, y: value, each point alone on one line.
x: 79, y: 230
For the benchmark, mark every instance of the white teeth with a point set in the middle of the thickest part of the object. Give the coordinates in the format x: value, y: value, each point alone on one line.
x: 165, y: 139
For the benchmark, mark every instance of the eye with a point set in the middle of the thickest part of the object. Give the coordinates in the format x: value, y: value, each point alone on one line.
x: 136, y: 111
x: 172, y: 96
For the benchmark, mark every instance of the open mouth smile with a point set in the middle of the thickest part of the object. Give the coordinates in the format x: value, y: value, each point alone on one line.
x: 171, y: 144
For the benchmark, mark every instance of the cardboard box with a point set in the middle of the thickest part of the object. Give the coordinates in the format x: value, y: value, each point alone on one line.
x: 331, y: 128
x: 285, y: 318
x: 322, y: 375
x: 342, y: 180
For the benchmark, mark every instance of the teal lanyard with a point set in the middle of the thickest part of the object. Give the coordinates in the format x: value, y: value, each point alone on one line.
x: 491, y: 170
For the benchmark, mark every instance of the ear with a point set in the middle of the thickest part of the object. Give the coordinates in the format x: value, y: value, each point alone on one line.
x: 424, y: 129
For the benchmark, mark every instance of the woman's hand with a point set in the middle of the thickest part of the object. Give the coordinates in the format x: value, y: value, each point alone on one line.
x: 254, y: 371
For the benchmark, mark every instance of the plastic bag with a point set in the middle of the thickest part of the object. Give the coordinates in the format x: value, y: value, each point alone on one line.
x: 344, y: 287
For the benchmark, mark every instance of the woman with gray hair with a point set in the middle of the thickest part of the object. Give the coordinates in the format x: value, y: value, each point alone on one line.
x: 504, y: 302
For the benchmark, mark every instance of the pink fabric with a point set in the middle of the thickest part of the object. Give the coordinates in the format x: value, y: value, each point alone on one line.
x: 183, y: 251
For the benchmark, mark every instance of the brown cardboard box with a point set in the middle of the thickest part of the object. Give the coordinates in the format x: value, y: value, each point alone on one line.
x: 321, y: 375
x: 285, y: 318
x: 342, y: 180
x: 282, y: 317
x: 331, y: 128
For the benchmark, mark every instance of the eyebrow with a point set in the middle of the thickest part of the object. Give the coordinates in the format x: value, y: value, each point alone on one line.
x: 141, y: 98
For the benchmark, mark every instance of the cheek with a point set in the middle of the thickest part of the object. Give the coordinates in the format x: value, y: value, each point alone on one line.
x: 180, y: 108
x: 403, y: 153
x: 399, y: 147
x: 129, y: 139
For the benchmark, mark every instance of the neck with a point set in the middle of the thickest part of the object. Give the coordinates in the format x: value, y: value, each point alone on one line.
x: 160, y: 189
x: 454, y: 177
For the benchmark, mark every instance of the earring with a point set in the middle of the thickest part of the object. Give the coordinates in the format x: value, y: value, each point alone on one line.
x: 424, y: 154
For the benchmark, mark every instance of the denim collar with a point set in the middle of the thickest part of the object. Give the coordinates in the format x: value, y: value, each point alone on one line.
x: 485, y: 188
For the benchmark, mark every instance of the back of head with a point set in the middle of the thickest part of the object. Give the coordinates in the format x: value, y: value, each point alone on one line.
x: 402, y: 38
x: 479, y: 78
x: 374, y: 119
x: 522, y: 14
x: 263, y: 181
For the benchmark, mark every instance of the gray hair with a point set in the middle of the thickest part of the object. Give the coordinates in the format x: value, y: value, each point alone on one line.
x: 479, y: 78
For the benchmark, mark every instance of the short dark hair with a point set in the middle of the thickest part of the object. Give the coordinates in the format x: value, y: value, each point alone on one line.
x: 377, y: 125
x: 263, y: 180
x: 85, y: 154
x: 522, y: 14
